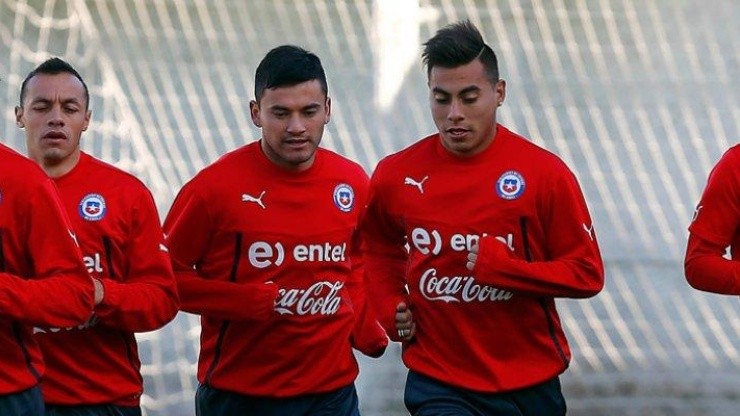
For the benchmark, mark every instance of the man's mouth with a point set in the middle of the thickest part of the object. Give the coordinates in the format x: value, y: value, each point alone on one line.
x: 55, y: 135
x: 296, y: 142
x: 457, y: 133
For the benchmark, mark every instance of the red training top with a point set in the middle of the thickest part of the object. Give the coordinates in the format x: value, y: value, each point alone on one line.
x: 716, y: 226
x: 495, y: 329
x: 269, y: 259
x: 42, y: 278
x: 122, y: 243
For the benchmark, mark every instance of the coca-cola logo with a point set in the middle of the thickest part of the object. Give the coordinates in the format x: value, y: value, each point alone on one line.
x: 91, y: 322
x: 321, y: 298
x: 458, y: 289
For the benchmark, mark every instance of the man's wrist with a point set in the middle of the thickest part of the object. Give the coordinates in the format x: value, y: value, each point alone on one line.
x: 99, y: 291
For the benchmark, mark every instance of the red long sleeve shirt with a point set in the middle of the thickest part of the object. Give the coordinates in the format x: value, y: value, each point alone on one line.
x: 495, y: 329
x: 42, y: 278
x: 269, y: 259
x: 121, y: 239
x: 716, y: 226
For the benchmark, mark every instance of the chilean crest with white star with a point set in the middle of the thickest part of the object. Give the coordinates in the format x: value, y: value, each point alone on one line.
x: 510, y: 185
x: 92, y: 207
x: 344, y: 197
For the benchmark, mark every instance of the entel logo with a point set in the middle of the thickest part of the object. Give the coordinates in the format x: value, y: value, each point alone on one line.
x: 263, y: 254
x: 427, y: 242
x: 93, y: 263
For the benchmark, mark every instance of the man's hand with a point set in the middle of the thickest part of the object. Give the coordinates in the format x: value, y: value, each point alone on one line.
x: 472, y: 257
x: 405, y: 322
x: 99, y: 291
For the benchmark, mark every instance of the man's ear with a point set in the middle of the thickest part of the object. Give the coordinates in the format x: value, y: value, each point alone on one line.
x: 19, y: 116
x: 88, y: 115
x: 501, y: 91
x: 254, y: 111
x: 327, y: 117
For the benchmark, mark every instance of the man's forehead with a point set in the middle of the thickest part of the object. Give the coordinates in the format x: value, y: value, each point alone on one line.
x: 57, y: 84
x: 304, y: 95
x: 472, y: 73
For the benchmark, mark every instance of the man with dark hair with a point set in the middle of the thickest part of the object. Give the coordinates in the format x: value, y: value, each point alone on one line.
x: 55, y: 66
x: 471, y: 234
x: 270, y: 258
x: 93, y: 368
x: 714, y: 228
x: 42, y: 278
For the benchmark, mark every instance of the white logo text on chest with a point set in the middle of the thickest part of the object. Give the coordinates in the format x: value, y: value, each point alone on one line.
x: 263, y: 254
x: 93, y: 263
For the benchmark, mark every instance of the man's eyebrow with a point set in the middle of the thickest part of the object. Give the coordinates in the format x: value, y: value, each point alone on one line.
x: 283, y: 108
x: 472, y: 88
x: 45, y: 100
x: 440, y: 90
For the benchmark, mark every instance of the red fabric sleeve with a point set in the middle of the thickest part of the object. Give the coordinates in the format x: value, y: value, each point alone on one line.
x: 707, y: 269
x: 717, y: 216
x: 573, y: 269
x: 188, y: 228
x: 715, y: 226
x: 385, y: 261
x: 367, y: 335
x: 60, y: 292
x: 146, y: 298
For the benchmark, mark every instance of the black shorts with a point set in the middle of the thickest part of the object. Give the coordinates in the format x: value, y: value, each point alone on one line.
x: 214, y: 402
x: 425, y: 396
x: 96, y: 410
x: 26, y: 403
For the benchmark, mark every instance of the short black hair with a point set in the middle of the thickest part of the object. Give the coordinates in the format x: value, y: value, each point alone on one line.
x: 285, y: 66
x: 53, y: 66
x: 458, y: 44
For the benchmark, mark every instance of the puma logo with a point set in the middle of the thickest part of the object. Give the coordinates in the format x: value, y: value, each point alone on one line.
x: 258, y: 201
x: 696, y: 212
x: 74, y: 237
x: 413, y: 182
x: 589, y: 231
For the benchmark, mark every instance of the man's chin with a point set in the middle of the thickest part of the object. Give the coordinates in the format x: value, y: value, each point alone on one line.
x: 52, y: 157
x: 302, y: 160
x: 457, y: 146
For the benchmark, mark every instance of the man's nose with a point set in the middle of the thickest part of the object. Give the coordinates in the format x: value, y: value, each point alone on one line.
x: 55, y: 117
x: 296, y: 125
x: 455, y: 113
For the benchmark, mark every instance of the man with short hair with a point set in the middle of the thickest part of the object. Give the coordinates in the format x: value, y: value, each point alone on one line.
x: 93, y: 368
x: 485, y: 229
x: 265, y: 249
